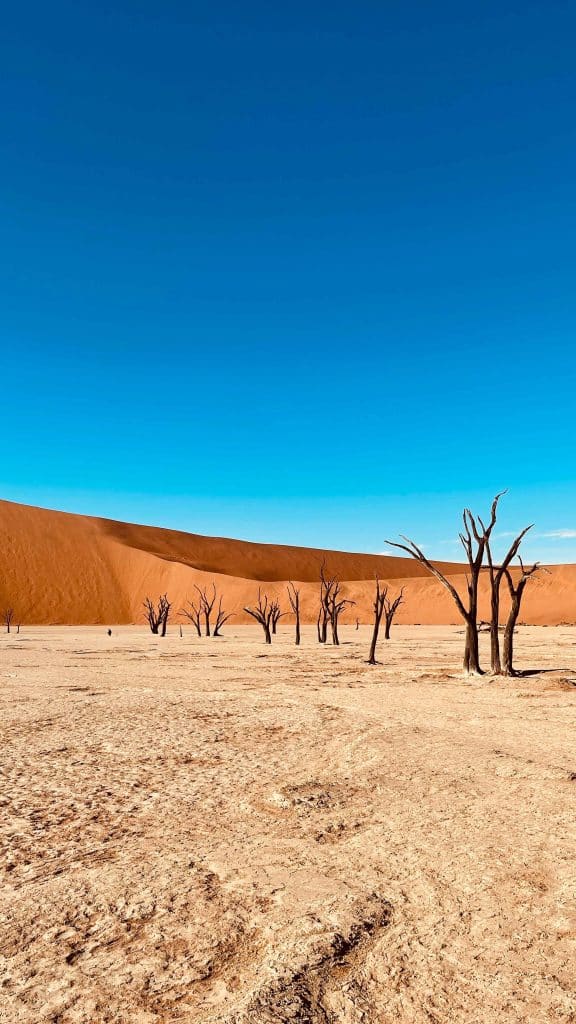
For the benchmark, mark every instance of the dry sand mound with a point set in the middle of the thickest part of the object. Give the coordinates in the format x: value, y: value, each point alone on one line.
x: 56, y: 567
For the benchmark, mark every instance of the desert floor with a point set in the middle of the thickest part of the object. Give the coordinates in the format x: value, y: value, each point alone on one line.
x: 217, y: 831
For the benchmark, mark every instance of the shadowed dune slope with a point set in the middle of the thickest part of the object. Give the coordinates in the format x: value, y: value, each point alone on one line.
x: 57, y: 567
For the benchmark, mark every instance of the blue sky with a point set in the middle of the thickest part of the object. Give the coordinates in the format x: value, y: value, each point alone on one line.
x: 299, y: 273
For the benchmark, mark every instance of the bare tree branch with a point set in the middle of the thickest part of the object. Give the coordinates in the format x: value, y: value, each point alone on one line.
x: 263, y: 614
x: 379, y: 603
x: 294, y: 598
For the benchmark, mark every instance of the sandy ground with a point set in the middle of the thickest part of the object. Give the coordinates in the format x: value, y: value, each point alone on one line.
x: 216, y: 831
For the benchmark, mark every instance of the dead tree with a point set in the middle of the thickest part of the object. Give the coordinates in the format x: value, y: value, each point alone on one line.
x: 157, y: 617
x: 324, y: 610
x: 331, y: 606
x: 276, y: 614
x: 322, y: 623
x: 294, y: 598
x: 496, y: 574
x: 516, y: 592
x: 337, y: 605
x: 207, y: 603
x: 164, y: 606
x: 193, y: 613
x: 390, y: 609
x: 263, y: 614
x: 474, y: 537
x: 221, y: 618
x: 379, y: 603
x: 8, y: 615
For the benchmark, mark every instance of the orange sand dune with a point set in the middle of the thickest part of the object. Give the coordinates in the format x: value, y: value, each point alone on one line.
x: 56, y: 567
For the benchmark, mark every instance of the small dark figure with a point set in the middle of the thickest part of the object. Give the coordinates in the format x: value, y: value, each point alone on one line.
x: 180, y: 630
x: 109, y: 632
x: 357, y: 623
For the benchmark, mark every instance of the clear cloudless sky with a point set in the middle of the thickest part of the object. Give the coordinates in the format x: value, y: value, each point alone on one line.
x: 298, y: 272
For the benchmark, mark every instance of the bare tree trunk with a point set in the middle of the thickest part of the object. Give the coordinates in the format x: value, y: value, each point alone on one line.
x: 206, y: 604
x: 374, y: 641
x: 496, y: 574
x: 471, y: 648
x: 379, y: 599
x: 221, y: 618
x: 157, y: 617
x: 516, y: 593
x: 390, y: 609
x: 294, y: 598
x: 263, y: 614
x: 495, y: 663
x: 508, y: 645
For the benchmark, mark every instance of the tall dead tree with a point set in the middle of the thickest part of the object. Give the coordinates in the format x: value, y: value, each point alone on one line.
x: 331, y: 606
x: 207, y: 602
x: 516, y: 591
x: 157, y: 617
x: 294, y: 598
x: 337, y: 605
x: 324, y: 609
x: 496, y: 575
x: 193, y: 613
x: 390, y: 609
x: 474, y: 537
x: 263, y: 614
x: 276, y: 614
x: 379, y: 600
x: 8, y: 615
x: 165, y: 606
x: 221, y: 618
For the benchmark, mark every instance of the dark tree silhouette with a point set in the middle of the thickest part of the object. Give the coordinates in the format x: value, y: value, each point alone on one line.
x: 474, y: 537
x: 157, y: 617
x: 8, y: 615
x: 379, y: 599
x: 207, y: 602
x: 516, y: 591
x: 331, y: 606
x: 324, y: 610
x: 276, y: 614
x: 337, y: 605
x: 390, y: 609
x: 263, y: 614
x: 193, y: 613
x: 294, y: 598
x: 496, y: 575
x: 221, y: 618
x: 165, y: 606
